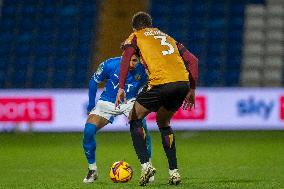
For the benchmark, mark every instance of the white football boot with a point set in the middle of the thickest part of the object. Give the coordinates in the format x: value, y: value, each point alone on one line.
x: 174, y: 178
x: 152, y: 178
x: 147, y: 172
x: 92, y: 175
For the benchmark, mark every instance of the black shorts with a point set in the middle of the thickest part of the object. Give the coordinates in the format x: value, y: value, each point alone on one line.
x: 169, y: 95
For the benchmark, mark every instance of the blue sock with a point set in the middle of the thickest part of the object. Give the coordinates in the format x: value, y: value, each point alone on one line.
x: 148, y: 139
x: 89, y: 142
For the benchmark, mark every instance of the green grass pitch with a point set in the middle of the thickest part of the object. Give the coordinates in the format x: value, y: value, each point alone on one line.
x: 206, y: 160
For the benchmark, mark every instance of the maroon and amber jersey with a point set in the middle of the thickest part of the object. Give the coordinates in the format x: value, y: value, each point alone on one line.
x: 160, y: 56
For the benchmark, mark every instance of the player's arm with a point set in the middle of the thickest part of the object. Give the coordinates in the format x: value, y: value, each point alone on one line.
x: 191, y: 64
x: 129, y: 49
x: 100, y: 75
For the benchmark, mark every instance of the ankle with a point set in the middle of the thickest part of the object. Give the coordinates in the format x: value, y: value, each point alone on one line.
x: 93, y: 166
x: 145, y: 165
x: 171, y: 171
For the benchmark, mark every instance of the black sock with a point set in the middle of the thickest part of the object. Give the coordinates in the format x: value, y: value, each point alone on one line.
x: 168, y: 141
x: 139, y: 140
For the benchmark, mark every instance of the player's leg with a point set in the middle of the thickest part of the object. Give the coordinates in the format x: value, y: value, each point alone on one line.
x: 149, y: 146
x: 148, y: 139
x: 173, y: 97
x: 93, y: 124
x: 140, y: 135
x: 126, y: 109
x: 163, y: 120
x: 146, y: 102
x: 168, y: 140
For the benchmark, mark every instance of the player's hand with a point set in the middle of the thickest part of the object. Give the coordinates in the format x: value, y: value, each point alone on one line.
x: 189, y: 100
x: 120, y: 95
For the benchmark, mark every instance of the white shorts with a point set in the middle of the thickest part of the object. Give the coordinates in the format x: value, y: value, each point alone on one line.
x: 106, y: 109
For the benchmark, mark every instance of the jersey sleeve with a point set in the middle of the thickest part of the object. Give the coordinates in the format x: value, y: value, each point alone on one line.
x: 130, y: 42
x: 100, y: 75
x: 93, y: 87
x: 129, y: 48
x: 191, y: 64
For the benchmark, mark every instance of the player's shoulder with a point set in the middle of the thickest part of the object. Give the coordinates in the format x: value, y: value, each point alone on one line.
x: 112, y: 62
x: 130, y: 38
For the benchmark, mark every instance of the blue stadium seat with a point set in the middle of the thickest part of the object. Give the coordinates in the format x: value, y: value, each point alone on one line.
x: 41, y: 64
x: 4, y: 62
x: 41, y: 78
x: 217, y: 24
x: 236, y: 8
x: 233, y: 63
x: 80, y: 78
x: 235, y: 35
x: 22, y: 63
x: 44, y: 36
x: 69, y: 10
x: 215, y: 37
x: 236, y: 23
x: 3, y: 76
x: 216, y: 48
x: 232, y: 78
x: 61, y: 64
x: 59, y: 78
x: 4, y: 51
x: 19, y: 79
x: 214, y: 78
x: 218, y: 9
x: 200, y: 9
x: 214, y: 63
x: 235, y: 50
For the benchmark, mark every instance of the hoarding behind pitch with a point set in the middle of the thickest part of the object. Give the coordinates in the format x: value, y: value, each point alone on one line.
x: 216, y: 109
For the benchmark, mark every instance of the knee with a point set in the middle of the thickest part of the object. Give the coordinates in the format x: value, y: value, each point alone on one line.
x: 165, y: 131
x: 136, y: 123
x: 162, y: 123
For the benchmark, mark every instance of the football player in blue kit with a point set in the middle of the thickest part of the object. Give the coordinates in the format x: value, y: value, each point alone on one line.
x: 104, y: 111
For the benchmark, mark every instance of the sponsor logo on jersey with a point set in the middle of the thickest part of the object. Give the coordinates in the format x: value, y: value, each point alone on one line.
x: 137, y: 77
x: 100, y: 69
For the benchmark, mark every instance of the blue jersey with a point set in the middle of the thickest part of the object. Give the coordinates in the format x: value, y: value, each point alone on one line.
x: 109, y: 71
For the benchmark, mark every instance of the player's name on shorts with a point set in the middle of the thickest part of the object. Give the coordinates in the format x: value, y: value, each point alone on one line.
x: 153, y: 32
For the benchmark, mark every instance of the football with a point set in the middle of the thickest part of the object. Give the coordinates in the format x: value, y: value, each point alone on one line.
x: 120, y: 171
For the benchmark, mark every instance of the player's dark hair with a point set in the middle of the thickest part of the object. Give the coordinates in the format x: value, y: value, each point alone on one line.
x: 141, y: 20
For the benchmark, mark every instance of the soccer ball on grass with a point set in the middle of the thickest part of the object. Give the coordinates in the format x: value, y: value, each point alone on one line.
x: 120, y: 171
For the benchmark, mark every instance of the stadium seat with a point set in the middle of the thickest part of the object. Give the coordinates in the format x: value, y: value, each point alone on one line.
x: 59, y: 78
x: 19, y: 79
x: 41, y: 78
x: 44, y: 36
x: 4, y: 62
x: 210, y: 30
x: 41, y: 64
x: 80, y: 79
x: 2, y: 79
